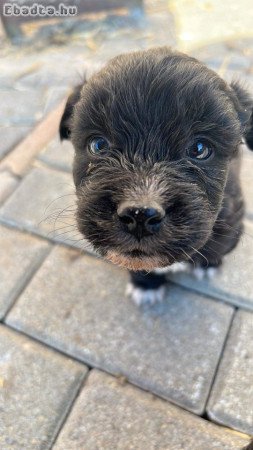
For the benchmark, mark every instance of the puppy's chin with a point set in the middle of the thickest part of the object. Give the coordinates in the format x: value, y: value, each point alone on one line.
x: 146, y: 263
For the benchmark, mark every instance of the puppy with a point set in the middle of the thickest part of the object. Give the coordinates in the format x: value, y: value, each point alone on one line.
x: 156, y: 169
x: 250, y: 446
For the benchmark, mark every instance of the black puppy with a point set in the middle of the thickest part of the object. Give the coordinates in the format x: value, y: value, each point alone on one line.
x: 156, y: 136
x: 250, y: 446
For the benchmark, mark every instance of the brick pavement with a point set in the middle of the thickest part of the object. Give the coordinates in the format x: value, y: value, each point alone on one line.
x: 128, y: 418
x: 144, y: 346
x: 64, y: 311
x: 37, y: 388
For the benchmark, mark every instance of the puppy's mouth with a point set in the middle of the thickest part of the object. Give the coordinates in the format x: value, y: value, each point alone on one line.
x: 136, y: 260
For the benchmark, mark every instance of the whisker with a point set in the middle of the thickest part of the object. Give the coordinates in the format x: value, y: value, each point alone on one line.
x: 203, y: 256
x: 189, y: 257
x: 58, y: 198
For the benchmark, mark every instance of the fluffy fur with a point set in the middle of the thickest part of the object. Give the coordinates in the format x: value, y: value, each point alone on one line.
x: 151, y: 106
x: 250, y: 446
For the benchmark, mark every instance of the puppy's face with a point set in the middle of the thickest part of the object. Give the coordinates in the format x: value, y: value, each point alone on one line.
x: 154, y: 133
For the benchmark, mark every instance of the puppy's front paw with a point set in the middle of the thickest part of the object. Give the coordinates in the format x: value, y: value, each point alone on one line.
x: 142, y: 296
x: 200, y: 273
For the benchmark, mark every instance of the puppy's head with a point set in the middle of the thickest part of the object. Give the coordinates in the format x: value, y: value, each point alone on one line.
x: 154, y: 133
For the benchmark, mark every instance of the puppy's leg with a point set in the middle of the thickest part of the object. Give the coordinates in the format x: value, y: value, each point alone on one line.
x: 208, y: 260
x: 227, y: 229
x: 208, y: 272
x: 146, y: 287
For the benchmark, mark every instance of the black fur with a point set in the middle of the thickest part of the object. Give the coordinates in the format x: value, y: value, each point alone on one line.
x: 249, y: 447
x: 151, y: 106
x: 146, y: 280
x: 65, y: 123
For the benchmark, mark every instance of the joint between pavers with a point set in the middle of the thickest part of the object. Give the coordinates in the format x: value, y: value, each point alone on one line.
x: 46, y: 345
x: 71, y: 406
x: 151, y: 395
x: 219, y: 363
x: 73, y: 393
x: 213, y: 419
x: 49, y: 165
x: 17, y: 226
x: 17, y: 177
x: 21, y: 228
x: 27, y: 278
x: 115, y: 376
x: 216, y: 296
x: 23, y: 154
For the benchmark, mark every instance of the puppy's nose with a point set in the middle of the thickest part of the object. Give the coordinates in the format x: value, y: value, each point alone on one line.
x: 141, y: 221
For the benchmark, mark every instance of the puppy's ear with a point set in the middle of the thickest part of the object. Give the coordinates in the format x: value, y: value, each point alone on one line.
x: 65, y: 123
x: 244, y: 107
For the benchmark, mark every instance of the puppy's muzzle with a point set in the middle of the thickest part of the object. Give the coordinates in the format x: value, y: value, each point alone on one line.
x: 141, y: 220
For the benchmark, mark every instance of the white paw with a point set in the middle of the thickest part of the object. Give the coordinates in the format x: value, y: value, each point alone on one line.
x: 212, y: 272
x: 145, y: 296
x: 200, y: 273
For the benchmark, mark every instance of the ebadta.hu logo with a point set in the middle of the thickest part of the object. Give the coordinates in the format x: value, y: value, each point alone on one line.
x: 13, y: 9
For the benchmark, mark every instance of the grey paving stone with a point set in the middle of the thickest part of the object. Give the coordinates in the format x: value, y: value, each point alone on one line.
x: 171, y: 349
x: 44, y: 203
x: 239, y: 61
x: 212, y: 55
x: 58, y: 154
x: 247, y: 181
x: 231, y: 401
x: 21, y: 107
x: 16, y: 65
x: 233, y: 282
x: 54, y: 96
x: 49, y: 75
x: 38, y: 387
x: 111, y: 415
x: 10, y: 136
x: 7, y: 184
x: 20, y: 256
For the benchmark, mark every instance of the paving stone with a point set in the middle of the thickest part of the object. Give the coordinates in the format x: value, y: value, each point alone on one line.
x: 171, y: 349
x: 54, y: 96
x: 217, y: 16
x: 16, y: 65
x: 49, y: 211
x: 7, y: 185
x: 20, y: 256
x: 212, y: 55
x: 58, y: 154
x: 37, y: 388
x: 239, y: 61
x: 22, y: 108
x: 231, y: 401
x: 233, y: 282
x: 49, y: 75
x: 125, y: 418
x: 10, y: 136
x: 247, y: 182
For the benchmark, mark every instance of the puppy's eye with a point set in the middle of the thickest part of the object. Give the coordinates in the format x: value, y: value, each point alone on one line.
x: 199, y: 150
x: 98, y: 144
